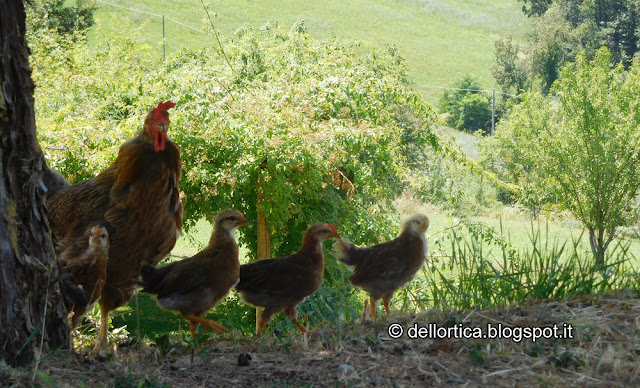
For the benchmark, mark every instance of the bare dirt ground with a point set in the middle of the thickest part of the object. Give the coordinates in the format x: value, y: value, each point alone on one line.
x: 604, y: 351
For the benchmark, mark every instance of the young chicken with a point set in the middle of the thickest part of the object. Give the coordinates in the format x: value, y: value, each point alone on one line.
x: 194, y: 285
x: 285, y: 282
x: 382, y: 269
x: 87, y: 268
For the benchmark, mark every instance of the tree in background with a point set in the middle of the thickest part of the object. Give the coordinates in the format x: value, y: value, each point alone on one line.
x: 554, y: 42
x: 468, y: 108
x: 510, y: 70
x: 580, y: 144
x: 563, y: 28
x: 535, y: 7
x: 60, y: 16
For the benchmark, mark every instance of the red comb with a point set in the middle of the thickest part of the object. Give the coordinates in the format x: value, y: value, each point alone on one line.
x: 333, y: 227
x: 162, y: 107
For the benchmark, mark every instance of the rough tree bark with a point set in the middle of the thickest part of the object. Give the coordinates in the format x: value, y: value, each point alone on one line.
x: 30, y: 299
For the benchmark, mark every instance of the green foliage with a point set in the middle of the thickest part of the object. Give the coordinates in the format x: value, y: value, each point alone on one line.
x: 580, y: 144
x: 510, y: 71
x: 474, y: 113
x: 535, y: 7
x: 469, y: 110
x: 454, y: 188
x: 563, y: 28
x: 318, y: 128
x: 555, y: 41
x: 460, y: 276
x: 60, y: 17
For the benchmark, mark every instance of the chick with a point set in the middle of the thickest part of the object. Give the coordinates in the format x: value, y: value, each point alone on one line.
x: 382, y: 269
x: 195, y: 285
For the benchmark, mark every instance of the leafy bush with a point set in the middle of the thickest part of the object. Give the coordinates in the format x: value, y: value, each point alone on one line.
x: 468, y: 109
x: 317, y: 128
x: 58, y: 15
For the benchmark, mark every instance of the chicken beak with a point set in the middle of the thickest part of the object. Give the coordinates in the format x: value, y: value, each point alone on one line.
x: 244, y: 223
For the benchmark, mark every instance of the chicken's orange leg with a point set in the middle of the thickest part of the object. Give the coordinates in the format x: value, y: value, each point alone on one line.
x: 104, y: 327
x: 102, y: 341
x: 364, y: 310
x: 373, y: 307
x: 301, y: 327
x: 208, y: 323
x: 293, y: 315
x: 265, y: 317
x: 385, y: 301
x: 192, y: 329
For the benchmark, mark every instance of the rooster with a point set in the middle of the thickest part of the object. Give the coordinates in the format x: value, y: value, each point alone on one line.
x: 382, y: 269
x: 194, y: 285
x: 137, y: 200
x: 87, y: 269
x: 285, y: 282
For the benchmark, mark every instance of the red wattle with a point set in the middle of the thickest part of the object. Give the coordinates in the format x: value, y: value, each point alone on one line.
x: 160, y: 143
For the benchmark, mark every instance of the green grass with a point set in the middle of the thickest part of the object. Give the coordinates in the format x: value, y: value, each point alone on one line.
x: 193, y: 241
x: 515, y: 227
x: 441, y: 40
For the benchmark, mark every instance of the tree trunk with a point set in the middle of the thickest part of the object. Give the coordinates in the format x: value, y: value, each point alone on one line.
x: 264, y: 238
x: 30, y: 299
x: 599, y: 243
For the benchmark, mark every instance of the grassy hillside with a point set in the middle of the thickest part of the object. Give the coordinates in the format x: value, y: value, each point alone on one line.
x: 441, y: 40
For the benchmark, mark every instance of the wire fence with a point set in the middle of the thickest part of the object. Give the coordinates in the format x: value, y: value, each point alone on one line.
x: 164, y: 17
x: 155, y: 14
x: 468, y: 90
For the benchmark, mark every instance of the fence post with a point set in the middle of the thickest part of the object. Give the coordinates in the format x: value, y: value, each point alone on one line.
x: 164, y: 45
x: 264, y: 239
x: 493, y: 112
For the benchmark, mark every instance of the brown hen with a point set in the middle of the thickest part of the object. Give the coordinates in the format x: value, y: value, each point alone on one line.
x: 195, y: 285
x: 137, y: 199
x: 285, y: 282
x: 87, y: 269
x: 382, y: 269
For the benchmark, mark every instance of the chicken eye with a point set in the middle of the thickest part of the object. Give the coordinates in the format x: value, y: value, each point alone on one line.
x: 232, y: 218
